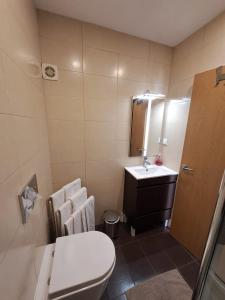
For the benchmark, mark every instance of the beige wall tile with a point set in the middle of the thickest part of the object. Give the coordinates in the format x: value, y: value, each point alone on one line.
x: 66, y: 141
x: 101, y: 38
x: 65, y: 108
x: 99, y: 130
x: 59, y: 28
x: 160, y: 53
x: 100, y: 62
x: 133, y: 46
x: 122, y: 131
x: 8, y: 157
x: 210, y: 57
x: 104, y: 197
x: 62, y: 173
x: 99, y: 150
x: 66, y: 55
x: 215, y: 30
x: 190, y: 45
x: 107, y: 170
x: 68, y: 85
x: 23, y: 96
x: 123, y: 111
x: 99, y: 87
x: 129, y: 88
x: 100, y: 110
x: 24, y: 147
x: 159, y: 74
x: 132, y: 68
x: 122, y: 149
x: 10, y: 210
x: 15, y: 41
x: 183, y: 89
x: 69, y: 150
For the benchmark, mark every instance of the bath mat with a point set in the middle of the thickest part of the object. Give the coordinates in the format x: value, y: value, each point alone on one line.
x: 166, y: 286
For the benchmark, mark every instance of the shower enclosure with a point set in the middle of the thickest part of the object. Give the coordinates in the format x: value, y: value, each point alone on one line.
x: 211, y: 281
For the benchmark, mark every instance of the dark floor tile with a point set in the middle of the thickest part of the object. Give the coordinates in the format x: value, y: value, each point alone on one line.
x: 179, y: 255
x: 157, y: 243
x: 120, y: 259
x: 190, y: 273
x: 161, y: 262
x: 119, y: 282
x: 152, y: 231
x: 107, y: 297
x: 131, y: 252
x: 141, y: 270
x: 124, y: 236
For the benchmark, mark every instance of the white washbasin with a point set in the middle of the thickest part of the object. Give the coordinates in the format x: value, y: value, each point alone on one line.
x: 140, y: 172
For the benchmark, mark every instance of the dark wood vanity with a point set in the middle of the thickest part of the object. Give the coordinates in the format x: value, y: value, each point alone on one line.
x: 148, y: 201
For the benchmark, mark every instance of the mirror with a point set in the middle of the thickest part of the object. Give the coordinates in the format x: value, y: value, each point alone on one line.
x: 139, y: 113
x: 146, y: 125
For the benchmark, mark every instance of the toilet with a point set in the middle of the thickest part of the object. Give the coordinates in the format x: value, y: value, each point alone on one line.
x: 76, y: 267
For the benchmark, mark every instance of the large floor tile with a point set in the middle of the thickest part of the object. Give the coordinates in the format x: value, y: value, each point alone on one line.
x: 157, y: 243
x: 190, y: 273
x: 179, y: 255
x: 161, y: 262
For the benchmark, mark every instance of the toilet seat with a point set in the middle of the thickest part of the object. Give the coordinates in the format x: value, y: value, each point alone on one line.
x: 80, y: 260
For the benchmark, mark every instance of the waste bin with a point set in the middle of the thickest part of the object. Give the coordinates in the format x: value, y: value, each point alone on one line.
x: 111, y: 223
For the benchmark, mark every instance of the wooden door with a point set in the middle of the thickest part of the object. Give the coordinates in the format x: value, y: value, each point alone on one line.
x: 204, y: 152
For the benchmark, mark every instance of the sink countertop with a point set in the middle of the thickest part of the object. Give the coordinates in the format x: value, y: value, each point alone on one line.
x: 140, y: 172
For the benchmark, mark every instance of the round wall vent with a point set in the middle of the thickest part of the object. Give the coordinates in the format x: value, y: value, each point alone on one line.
x: 49, y: 72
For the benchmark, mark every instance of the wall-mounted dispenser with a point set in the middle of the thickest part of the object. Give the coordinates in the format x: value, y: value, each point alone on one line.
x: 28, y: 197
x: 49, y: 72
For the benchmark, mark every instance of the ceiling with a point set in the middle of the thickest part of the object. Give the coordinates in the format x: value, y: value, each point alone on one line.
x: 164, y: 21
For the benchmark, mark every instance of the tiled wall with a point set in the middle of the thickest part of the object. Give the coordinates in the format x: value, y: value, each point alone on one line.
x: 202, y: 51
x: 89, y: 107
x: 23, y: 149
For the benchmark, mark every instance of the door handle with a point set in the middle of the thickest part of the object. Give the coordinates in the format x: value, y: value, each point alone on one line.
x: 185, y: 168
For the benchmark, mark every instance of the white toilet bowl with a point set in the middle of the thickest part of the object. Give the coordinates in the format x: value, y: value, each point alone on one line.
x: 80, y: 268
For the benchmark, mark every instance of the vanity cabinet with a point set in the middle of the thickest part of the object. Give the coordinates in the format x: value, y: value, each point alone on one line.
x: 148, y: 201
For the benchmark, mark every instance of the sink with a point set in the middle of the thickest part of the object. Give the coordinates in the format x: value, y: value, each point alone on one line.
x: 145, y: 171
x: 140, y: 172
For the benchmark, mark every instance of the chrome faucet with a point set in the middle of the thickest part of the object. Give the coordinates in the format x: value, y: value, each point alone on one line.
x: 146, y: 162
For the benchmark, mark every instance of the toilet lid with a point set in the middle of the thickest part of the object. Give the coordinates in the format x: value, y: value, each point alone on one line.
x: 80, y: 260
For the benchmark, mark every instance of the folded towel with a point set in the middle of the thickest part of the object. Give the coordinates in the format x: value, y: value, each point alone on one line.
x: 68, y: 225
x: 58, y: 199
x: 71, y: 188
x: 90, y: 213
x: 64, y: 212
x: 77, y: 221
x: 78, y: 198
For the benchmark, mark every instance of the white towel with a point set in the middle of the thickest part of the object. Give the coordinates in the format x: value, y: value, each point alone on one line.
x: 90, y: 213
x: 64, y: 212
x: 83, y: 216
x: 78, y: 221
x: 58, y: 199
x: 71, y: 188
x: 78, y: 198
x: 69, y: 226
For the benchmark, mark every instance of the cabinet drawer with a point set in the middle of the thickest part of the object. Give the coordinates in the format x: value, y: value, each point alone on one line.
x: 154, y: 198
